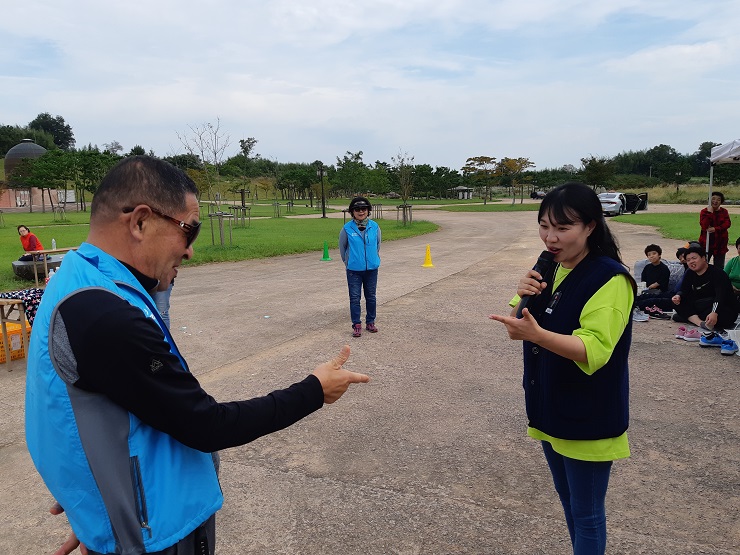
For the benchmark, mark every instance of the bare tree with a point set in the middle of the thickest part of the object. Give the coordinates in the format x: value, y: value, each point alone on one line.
x: 403, y: 164
x: 209, y: 143
x: 114, y: 147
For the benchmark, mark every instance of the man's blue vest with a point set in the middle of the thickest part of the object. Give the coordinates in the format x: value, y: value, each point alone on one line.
x: 125, y: 487
x: 363, y: 251
x: 562, y: 400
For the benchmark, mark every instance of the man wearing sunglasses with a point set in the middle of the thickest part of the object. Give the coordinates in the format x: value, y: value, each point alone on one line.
x: 119, y: 429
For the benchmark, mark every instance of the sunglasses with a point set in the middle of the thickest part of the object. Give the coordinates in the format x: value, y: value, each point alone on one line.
x: 191, y: 230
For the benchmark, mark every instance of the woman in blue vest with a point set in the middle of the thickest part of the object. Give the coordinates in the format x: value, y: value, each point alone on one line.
x: 576, y: 332
x: 359, y: 245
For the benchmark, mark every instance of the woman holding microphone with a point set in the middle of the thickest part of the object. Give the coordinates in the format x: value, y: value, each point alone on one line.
x: 577, y: 330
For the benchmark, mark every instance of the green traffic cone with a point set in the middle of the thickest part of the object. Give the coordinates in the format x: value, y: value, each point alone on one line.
x: 326, y: 252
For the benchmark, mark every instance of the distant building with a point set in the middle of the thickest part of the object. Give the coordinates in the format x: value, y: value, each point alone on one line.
x: 462, y: 192
x: 12, y: 198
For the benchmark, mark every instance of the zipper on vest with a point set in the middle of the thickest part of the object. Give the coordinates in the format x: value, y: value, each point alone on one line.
x: 139, y: 496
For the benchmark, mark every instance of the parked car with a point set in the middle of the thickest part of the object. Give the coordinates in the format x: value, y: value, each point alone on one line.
x: 613, y: 204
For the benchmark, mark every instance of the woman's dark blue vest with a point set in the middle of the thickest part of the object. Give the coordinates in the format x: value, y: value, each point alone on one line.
x: 562, y: 400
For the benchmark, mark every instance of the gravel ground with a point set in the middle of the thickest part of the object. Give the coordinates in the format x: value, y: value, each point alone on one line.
x: 432, y: 456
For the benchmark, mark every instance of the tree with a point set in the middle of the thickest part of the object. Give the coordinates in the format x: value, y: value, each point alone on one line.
x: 114, y: 147
x: 378, y: 178
x: 295, y: 180
x: 597, y: 170
x: 481, y: 169
x: 56, y: 127
x: 246, y: 146
x: 88, y: 167
x: 136, y: 150
x: 209, y: 143
x: 351, y: 174
x: 510, y: 169
x: 182, y: 161
x: 11, y: 135
x: 700, y: 158
x: 446, y: 180
x: 48, y: 172
x: 403, y: 166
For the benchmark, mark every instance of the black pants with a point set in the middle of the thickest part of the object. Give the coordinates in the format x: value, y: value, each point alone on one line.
x: 726, y: 316
x: 661, y: 300
x: 201, y: 541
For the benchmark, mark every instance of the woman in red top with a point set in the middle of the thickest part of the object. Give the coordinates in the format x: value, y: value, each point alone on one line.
x: 29, y: 241
x: 714, y: 222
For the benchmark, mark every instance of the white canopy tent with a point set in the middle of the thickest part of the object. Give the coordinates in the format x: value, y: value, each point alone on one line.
x: 728, y: 153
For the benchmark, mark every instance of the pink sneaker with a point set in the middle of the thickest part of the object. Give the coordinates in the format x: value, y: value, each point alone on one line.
x: 357, y: 330
x: 681, y: 332
x: 692, y: 335
x: 372, y: 328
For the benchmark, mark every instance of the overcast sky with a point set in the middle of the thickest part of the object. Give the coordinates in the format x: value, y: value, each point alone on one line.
x: 551, y: 80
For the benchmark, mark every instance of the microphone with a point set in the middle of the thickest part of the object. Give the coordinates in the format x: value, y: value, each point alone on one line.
x: 541, y: 267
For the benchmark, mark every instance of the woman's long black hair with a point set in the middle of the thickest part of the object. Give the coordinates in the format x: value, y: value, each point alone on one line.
x: 572, y: 202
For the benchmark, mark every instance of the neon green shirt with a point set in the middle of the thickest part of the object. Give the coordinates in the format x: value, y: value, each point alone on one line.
x: 603, y: 320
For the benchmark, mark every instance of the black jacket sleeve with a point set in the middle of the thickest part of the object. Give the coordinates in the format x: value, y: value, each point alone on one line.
x: 122, y: 354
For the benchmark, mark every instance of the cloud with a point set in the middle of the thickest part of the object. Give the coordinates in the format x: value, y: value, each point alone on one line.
x: 443, y: 80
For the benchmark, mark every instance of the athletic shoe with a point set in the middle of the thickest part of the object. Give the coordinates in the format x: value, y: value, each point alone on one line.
x: 356, y: 330
x: 729, y: 347
x: 639, y: 316
x: 692, y: 335
x: 658, y: 314
x: 371, y: 327
x: 681, y: 332
x: 713, y: 340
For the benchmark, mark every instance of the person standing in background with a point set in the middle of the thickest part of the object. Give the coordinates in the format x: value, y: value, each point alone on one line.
x: 359, y: 246
x: 715, y: 221
x: 162, y: 300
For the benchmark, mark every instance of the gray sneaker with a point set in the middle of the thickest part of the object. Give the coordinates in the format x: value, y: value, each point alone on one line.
x: 639, y: 316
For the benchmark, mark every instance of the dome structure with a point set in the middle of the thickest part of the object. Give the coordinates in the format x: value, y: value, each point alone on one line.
x: 25, y: 149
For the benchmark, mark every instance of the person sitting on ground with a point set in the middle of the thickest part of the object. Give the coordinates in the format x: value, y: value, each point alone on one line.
x: 30, y: 243
x: 656, y: 276
x: 732, y: 269
x: 706, y: 295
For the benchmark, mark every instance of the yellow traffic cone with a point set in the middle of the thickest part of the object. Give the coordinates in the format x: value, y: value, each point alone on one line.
x: 428, y: 259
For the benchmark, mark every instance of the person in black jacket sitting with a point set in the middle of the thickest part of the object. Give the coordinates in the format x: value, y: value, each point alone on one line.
x: 706, y: 295
x: 656, y: 277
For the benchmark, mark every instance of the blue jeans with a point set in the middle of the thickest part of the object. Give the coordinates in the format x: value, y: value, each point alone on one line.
x: 358, y: 281
x: 162, y: 301
x: 581, y: 486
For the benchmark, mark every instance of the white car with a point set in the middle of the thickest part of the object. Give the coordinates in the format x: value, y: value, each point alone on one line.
x: 613, y: 204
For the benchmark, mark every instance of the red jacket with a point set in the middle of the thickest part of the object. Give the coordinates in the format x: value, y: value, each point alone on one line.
x: 720, y: 221
x: 31, y: 243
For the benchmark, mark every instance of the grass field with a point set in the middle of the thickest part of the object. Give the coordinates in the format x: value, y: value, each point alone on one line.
x: 677, y: 226
x: 263, y: 238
